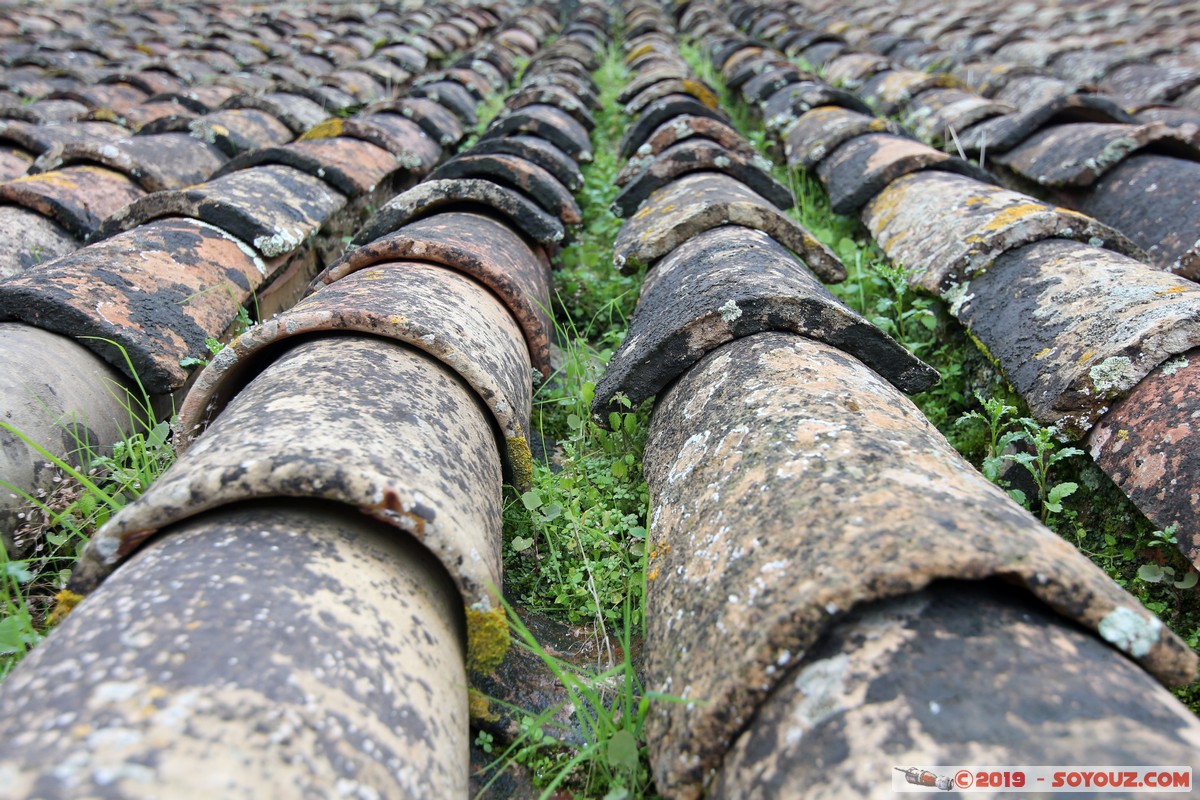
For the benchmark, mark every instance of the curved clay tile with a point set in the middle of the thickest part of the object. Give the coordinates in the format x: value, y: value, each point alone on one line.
x: 725, y: 284
x: 536, y: 151
x: 155, y: 163
x: 539, y: 185
x: 792, y: 485
x: 549, y: 122
x: 488, y: 250
x: 663, y: 110
x: 403, y: 465
x: 781, y: 110
x: 352, y: 167
x: 862, y: 167
x: 440, y: 312
x: 1075, y: 327
x: 704, y: 200
x: 700, y: 155
x: 274, y: 207
x: 1152, y: 197
x: 951, y: 227
x: 824, y: 129
x: 79, y: 198
x: 428, y: 195
x: 131, y: 290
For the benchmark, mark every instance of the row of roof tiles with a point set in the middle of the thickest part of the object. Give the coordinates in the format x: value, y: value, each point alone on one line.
x: 416, y: 350
x: 949, y: 221
x: 782, y: 468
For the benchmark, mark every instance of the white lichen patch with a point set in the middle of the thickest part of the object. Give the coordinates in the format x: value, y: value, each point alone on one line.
x: 690, y: 456
x: 1114, y: 372
x: 730, y: 312
x: 1129, y: 631
x: 822, y: 687
x: 281, y: 242
x: 957, y: 296
x: 1174, y: 365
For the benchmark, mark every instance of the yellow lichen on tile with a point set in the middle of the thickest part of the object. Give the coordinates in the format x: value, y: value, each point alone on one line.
x: 487, y: 639
x: 324, y: 130
x: 1011, y: 215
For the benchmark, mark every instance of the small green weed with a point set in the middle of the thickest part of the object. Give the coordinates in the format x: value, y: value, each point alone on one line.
x: 57, y: 524
x: 18, y: 632
x: 610, y: 709
x: 241, y: 323
x: 575, y: 540
x: 1016, y: 439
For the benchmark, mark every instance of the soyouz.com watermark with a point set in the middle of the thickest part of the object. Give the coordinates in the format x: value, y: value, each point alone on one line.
x: 1041, y: 779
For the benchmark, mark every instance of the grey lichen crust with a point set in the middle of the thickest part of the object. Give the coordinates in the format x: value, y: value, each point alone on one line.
x: 957, y: 673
